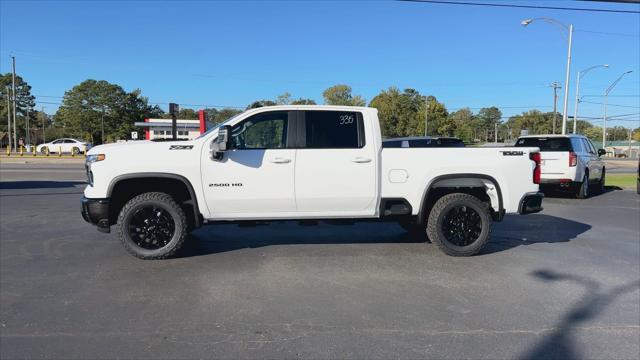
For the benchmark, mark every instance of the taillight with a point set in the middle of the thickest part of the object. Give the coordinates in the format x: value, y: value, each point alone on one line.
x: 573, y: 159
x: 535, y: 156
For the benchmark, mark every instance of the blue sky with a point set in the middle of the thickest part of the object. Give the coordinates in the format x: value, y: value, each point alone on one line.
x: 232, y: 53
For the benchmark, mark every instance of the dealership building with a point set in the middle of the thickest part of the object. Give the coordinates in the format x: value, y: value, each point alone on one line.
x: 187, y: 129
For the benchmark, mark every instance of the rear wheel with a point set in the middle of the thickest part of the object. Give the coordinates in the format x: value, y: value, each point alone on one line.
x: 152, y: 226
x: 75, y: 151
x: 459, y: 224
x: 583, y: 189
x: 44, y: 150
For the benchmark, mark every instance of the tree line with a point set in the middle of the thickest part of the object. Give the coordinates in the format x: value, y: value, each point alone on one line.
x: 94, y: 106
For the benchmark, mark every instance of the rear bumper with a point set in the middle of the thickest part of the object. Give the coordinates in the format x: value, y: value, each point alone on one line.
x: 96, y: 212
x: 531, y: 203
x: 556, y: 181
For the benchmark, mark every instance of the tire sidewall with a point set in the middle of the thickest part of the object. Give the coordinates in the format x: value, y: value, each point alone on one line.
x: 484, y: 234
x: 147, y: 253
x: 43, y: 149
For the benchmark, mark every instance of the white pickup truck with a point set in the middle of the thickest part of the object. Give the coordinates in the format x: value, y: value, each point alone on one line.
x: 306, y: 163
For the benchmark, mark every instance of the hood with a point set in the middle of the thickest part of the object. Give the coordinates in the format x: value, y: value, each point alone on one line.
x: 142, y: 146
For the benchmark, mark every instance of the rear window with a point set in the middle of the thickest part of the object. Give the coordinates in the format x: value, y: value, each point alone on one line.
x: 546, y: 144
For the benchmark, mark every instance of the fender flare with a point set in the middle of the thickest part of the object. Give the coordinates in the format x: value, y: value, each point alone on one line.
x: 423, y: 201
x: 184, y: 180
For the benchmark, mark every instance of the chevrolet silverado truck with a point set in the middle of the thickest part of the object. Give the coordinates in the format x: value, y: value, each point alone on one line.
x: 310, y: 164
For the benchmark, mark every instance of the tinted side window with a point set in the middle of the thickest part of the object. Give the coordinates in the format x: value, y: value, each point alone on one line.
x: 589, y: 146
x: 577, y: 145
x: 261, y: 131
x: 333, y: 129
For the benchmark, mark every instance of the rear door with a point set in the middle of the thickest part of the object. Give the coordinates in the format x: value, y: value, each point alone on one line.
x: 336, y: 167
x: 595, y: 164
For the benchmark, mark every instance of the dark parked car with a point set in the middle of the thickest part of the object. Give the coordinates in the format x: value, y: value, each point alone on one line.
x: 422, y: 142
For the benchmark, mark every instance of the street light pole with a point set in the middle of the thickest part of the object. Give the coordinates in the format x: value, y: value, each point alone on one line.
x: 566, y: 82
x: 580, y: 75
x: 606, y: 95
x: 13, y: 91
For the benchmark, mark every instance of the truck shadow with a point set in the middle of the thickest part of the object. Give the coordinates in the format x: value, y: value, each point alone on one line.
x: 516, y: 231
x: 559, y: 343
x: 533, y: 229
x: 567, y: 194
x: 14, y: 185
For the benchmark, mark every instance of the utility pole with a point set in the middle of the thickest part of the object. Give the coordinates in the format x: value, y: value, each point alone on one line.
x: 174, y: 109
x: 629, y: 150
x: 44, y: 118
x: 9, y: 114
x: 13, y: 87
x: 26, y: 124
x: 426, y: 114
x: 555, y: 87
x: 102, y: 126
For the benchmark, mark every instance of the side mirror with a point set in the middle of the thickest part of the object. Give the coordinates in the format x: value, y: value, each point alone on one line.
x: 221, y: 144
x: 601, y: 152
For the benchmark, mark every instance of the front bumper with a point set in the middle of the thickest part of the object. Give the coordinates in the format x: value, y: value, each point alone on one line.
x: 531, y: 203
x: 96, y: 212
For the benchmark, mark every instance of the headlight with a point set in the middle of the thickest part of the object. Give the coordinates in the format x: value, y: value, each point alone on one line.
x: 95, y: 158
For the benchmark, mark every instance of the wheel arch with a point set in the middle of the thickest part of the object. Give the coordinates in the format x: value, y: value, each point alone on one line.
x: 137, y: 183
x: 430, y: 194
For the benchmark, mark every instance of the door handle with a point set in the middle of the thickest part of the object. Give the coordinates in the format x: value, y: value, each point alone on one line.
x: 361, y: 160
x: 280, y: 160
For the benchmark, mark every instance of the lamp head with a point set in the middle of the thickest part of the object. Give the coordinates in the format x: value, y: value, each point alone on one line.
x: 526, y: 22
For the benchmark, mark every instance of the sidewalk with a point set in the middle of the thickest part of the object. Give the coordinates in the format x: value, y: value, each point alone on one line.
x: 28, y: 158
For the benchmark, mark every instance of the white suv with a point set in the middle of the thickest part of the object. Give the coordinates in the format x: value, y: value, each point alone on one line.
x: 568, y: 161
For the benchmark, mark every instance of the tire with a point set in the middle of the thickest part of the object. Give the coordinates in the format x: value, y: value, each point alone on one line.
x: 600, y: 186
x: 443, y: 220
x: 43, y: 150
x: 75, y: 151
x: 583, y: 189
x: 152, y: 226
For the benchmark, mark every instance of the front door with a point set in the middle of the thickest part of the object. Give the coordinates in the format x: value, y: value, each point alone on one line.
x: 255, y: 179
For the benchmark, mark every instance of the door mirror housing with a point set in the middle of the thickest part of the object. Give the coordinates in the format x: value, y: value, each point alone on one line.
x: 221, y: 144
x: 601, y: 152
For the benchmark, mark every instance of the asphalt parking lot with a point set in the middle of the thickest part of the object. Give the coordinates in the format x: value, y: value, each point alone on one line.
x: 563, y: 283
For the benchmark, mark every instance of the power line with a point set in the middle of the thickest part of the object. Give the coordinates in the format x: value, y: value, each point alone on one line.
x: 618, y: 105
x: 465, y: 3
x: 608, y: 33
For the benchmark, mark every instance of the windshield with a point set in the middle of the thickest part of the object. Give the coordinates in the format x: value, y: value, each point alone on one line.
x: 218, y: 125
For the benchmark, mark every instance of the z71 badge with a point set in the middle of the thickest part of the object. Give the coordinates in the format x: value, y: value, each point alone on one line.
x: 181, y: 147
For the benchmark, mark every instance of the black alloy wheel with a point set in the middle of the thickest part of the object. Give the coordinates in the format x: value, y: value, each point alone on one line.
x: 462, y: 225
x: 151, y: 227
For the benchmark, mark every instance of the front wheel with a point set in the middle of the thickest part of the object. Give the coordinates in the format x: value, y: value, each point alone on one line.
x: 459, y: 224
x: 152, y: 226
